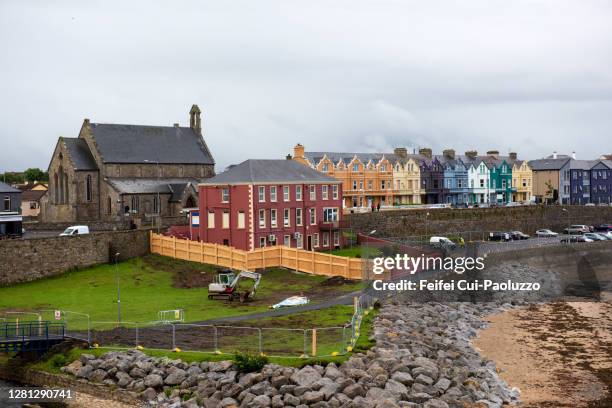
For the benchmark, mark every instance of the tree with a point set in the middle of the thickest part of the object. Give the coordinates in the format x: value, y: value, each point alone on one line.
x: 34, y: 174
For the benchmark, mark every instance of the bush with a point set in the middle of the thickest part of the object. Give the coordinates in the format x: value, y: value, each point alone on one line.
x: 248, y: 363
x: 58, y: 361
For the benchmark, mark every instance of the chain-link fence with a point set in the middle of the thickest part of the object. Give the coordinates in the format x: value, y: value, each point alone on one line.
x: 272, y: 341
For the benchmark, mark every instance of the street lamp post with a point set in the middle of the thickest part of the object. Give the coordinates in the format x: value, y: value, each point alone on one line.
x: 118, y: 290
x: 426, y: 225
x: 569, y: 223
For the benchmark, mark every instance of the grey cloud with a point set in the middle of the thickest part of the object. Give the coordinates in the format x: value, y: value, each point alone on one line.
x: 527, y: 75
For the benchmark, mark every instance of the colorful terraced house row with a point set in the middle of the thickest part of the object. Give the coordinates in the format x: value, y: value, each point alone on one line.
x: 370, y: 180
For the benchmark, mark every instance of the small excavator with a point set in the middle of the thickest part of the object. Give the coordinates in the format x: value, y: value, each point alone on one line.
x: 226, y: 286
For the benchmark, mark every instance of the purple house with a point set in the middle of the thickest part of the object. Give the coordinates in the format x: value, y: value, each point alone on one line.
x: 432, y: 180
x: 601, y: 182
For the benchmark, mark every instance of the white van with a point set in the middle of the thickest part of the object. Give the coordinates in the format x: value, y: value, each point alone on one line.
x: 75, y: 230
x: 442, y: 242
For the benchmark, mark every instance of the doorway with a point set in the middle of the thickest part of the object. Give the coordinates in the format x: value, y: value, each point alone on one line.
x: 309, y: 243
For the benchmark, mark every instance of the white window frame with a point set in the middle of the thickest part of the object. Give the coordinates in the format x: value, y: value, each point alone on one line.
x: 286, y: 195
x: 335, y: 192
x: 262, y: 194
x: 262, y: 218
x: 225, y: 195
x: 312, y: 214
x: 241, y: 220
x: 262, y: 242
x: 272, y: 194
x: 324, y: 192
x: 315, y: 240
x: 298, y: 193
x: 273, y: 218
x: 299, y: 242
x: 334, y: 211
x: 287, y: 217
x: 299, y: 217
x: 312, y: 189
x: 325, y: 238
x: 287, y: 241
x: 336, y: 238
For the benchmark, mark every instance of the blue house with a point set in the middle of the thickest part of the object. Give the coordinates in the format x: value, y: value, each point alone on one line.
x: 575, y: 182
x: 601, y: 182
x: 456, y: 188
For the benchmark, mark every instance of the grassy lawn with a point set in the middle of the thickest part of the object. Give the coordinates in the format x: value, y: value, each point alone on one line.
x: 358, y: 252
x: 156, y: 283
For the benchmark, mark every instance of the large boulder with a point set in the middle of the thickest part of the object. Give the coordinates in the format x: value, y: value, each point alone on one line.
x: 73, y: 367
x: 306, y: 376
x: 176, y: 377
x: 153, y: 381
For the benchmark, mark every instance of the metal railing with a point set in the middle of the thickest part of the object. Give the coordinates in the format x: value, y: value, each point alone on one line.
x: 164, y: 335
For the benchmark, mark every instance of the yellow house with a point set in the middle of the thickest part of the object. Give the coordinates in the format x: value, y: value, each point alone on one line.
x: 522, y: 181
x: 406, y: 181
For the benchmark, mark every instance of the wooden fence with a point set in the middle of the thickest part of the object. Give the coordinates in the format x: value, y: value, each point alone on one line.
x: 317, y: 263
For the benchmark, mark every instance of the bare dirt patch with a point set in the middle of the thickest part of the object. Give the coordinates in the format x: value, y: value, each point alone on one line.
x: 558, y: 354
x: 185, y: 275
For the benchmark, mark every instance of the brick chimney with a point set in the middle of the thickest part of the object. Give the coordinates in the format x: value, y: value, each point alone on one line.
x: 449, y: 153
x: 298, y: 151
x: 494, y: 153
x: 425, y: 151
x: 195, y: 122
x: 400, y: 152
x: 512, y: 155
x: 471, y: 154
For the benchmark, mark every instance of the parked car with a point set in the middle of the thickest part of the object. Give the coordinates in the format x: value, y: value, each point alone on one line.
x: 499, y: 236
x: 576, y: 238
x: 595, y: 237
x: 545, y: 233
x: 75, y: 230
x: 442, y: 242
x: 589, y: 205
x: 581, y: 227
x: 603, y: 227
x: 517, y: 235
x: 574, y: 231
x: 607, y: 234
x: 513, y: 204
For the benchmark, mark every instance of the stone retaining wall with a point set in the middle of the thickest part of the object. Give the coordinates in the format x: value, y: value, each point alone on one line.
x: 404, y: 223
x: 32, y: 259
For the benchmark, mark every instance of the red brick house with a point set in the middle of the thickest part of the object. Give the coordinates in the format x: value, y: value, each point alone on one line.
x: 260, y: 203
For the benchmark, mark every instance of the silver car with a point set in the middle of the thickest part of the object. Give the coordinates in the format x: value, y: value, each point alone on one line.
x: 545, y: 233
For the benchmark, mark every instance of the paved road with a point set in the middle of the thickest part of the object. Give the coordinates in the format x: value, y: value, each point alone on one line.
x: 41, y: 234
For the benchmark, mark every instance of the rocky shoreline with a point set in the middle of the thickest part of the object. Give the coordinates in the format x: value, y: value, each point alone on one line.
x: 423, y: 358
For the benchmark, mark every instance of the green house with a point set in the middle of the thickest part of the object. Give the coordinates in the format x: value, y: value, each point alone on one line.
x: 500, y: 181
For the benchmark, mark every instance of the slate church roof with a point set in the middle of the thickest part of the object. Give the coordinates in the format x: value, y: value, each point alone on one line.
x: 137, y: 143
x: 80, y: 153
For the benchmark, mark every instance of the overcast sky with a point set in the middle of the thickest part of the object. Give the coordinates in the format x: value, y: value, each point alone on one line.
x: 530, y: 76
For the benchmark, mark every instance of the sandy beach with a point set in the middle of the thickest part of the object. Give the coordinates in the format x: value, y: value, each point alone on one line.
x: 557, y: 355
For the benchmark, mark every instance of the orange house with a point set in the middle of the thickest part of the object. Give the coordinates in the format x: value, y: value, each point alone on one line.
x: 367, y: 178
